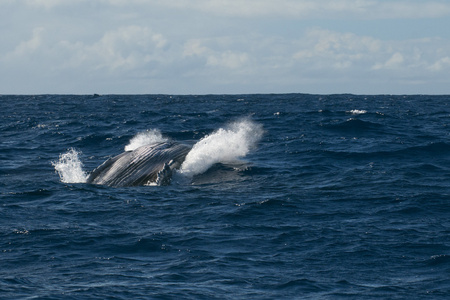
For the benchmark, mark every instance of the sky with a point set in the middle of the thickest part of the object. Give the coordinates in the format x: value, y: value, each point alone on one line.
x: 224, y: 46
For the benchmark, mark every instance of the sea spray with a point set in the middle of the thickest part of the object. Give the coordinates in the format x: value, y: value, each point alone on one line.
x: 70, y: 168
x: 225, y: 144
x: 145, y: 138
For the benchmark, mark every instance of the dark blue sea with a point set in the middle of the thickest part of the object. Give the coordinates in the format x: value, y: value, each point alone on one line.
x: 330, y: 197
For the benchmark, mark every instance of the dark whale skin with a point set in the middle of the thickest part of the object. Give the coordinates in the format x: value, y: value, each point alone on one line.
x: 140, y: 166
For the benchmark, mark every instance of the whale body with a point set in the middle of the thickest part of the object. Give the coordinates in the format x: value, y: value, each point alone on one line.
x: 149, y: 164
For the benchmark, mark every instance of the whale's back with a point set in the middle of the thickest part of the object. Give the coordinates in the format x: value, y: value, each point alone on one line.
x: 140, y: 166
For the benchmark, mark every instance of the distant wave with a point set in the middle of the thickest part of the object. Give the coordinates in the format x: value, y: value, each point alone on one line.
x: 227, y: 144
x: 352, y: 124
x: 357, y: 111
x: 430, y: 149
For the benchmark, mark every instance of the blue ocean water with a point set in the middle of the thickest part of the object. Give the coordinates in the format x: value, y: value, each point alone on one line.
x: 343, y: 196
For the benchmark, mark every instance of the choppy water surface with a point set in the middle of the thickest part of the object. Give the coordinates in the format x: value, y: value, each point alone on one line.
x: 333, y: 196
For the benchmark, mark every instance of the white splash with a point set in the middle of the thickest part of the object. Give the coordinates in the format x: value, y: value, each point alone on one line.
x: 70, y: 167
x: 145, y: 138
x: 357, y: 112
x: 225, y: 144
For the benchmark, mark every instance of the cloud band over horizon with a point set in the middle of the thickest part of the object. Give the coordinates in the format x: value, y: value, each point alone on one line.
x: 242, y: 46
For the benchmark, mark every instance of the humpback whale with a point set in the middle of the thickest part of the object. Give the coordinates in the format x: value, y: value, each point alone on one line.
x: 149, y: 164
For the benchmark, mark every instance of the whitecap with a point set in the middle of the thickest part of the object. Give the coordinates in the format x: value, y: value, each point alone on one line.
x: 357, y: 112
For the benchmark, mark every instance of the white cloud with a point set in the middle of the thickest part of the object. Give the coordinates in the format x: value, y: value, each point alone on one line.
x: 326, y: 50
x: 228, y: 59
x: 218, y: 57
x: 43, y: 3
x: 123, y: 48
x: 28, y: 47
x: 442, y: 63
x: 308, y: 9
x: 303, y: 9
x: 395, y: 61
x: 198, y: 46
x: 409, y: 9
x: 194, y: 47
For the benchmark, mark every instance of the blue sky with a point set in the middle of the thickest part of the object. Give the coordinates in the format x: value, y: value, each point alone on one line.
x: 232, y: 47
